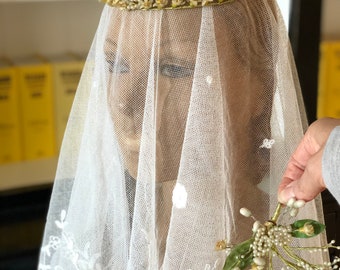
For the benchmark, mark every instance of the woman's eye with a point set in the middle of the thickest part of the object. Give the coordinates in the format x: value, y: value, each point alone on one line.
x: 175, y: 71
x: 117, y: 64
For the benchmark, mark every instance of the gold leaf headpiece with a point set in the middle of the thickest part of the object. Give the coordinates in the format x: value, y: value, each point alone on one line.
x: 162, y: 4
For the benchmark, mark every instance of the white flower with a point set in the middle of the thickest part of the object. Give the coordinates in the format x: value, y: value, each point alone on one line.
x: 291, y: 202
x: 257, y: 224
x: 259, y: 261
x: 299, y: 203
x: 245, y: 212
x: 179, y: 196
x: 293, y: 212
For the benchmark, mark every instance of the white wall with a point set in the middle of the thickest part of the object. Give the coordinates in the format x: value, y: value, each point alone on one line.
x: 330, y: 17
x: 285, y: 10
x: 47, y: 27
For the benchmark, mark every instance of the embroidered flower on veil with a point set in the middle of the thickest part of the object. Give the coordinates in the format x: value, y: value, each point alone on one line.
x: 82, y: 259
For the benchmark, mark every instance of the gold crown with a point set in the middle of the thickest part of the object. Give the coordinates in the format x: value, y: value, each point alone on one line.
x: 162, y: 4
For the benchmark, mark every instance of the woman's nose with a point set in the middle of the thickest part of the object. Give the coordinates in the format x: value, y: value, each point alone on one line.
x: 141, y: 90
x: 132, y: 98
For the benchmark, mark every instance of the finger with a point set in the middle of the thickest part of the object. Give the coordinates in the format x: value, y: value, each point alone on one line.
x: 293, y: 172
x: 285, y: 192
x: 311, y: 182
x: 308, y: 186
x: 295, y: 168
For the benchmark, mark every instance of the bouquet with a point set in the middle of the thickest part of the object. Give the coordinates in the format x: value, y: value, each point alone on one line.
x: 270, y: 239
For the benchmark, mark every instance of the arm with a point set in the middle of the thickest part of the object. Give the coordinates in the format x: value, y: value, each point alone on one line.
x: 331, y: 163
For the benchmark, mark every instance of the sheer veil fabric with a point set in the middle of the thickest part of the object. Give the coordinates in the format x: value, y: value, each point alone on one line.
x: 181, y: 118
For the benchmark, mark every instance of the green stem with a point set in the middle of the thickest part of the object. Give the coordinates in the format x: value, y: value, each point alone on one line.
x: 270, y: 261
x: 276, y: 213
x: 296, y: 257
x: 285, y: 261
x: 322, y: 247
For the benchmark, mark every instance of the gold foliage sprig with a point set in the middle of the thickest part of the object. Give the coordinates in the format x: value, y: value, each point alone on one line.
x: 270, y: 240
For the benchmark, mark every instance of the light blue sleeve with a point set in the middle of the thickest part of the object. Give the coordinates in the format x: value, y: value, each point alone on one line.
x: 331, y: 163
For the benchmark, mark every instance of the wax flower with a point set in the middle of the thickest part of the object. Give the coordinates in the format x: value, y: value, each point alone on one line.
x: 270, y: 239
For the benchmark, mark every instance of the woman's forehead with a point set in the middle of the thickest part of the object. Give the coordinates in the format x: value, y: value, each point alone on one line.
x: 151, y: 24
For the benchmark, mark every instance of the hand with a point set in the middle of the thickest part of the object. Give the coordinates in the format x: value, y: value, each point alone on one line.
x: 303, y: 176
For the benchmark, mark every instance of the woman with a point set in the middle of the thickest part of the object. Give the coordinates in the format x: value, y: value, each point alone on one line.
x: 183, y: 116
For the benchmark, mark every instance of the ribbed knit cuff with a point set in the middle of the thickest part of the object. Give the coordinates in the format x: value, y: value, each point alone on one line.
x: 331, y: 163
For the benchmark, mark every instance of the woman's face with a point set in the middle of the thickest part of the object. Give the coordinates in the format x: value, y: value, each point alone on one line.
x: 139, y: 63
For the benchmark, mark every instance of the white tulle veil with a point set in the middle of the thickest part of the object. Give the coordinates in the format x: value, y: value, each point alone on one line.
x: 181, y: 118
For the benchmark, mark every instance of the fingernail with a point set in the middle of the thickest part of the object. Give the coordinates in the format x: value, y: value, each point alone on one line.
x: 286, y: 194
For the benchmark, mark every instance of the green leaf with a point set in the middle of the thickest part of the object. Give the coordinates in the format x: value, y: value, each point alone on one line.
x: 240, y: 256
x: 306, y: 228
